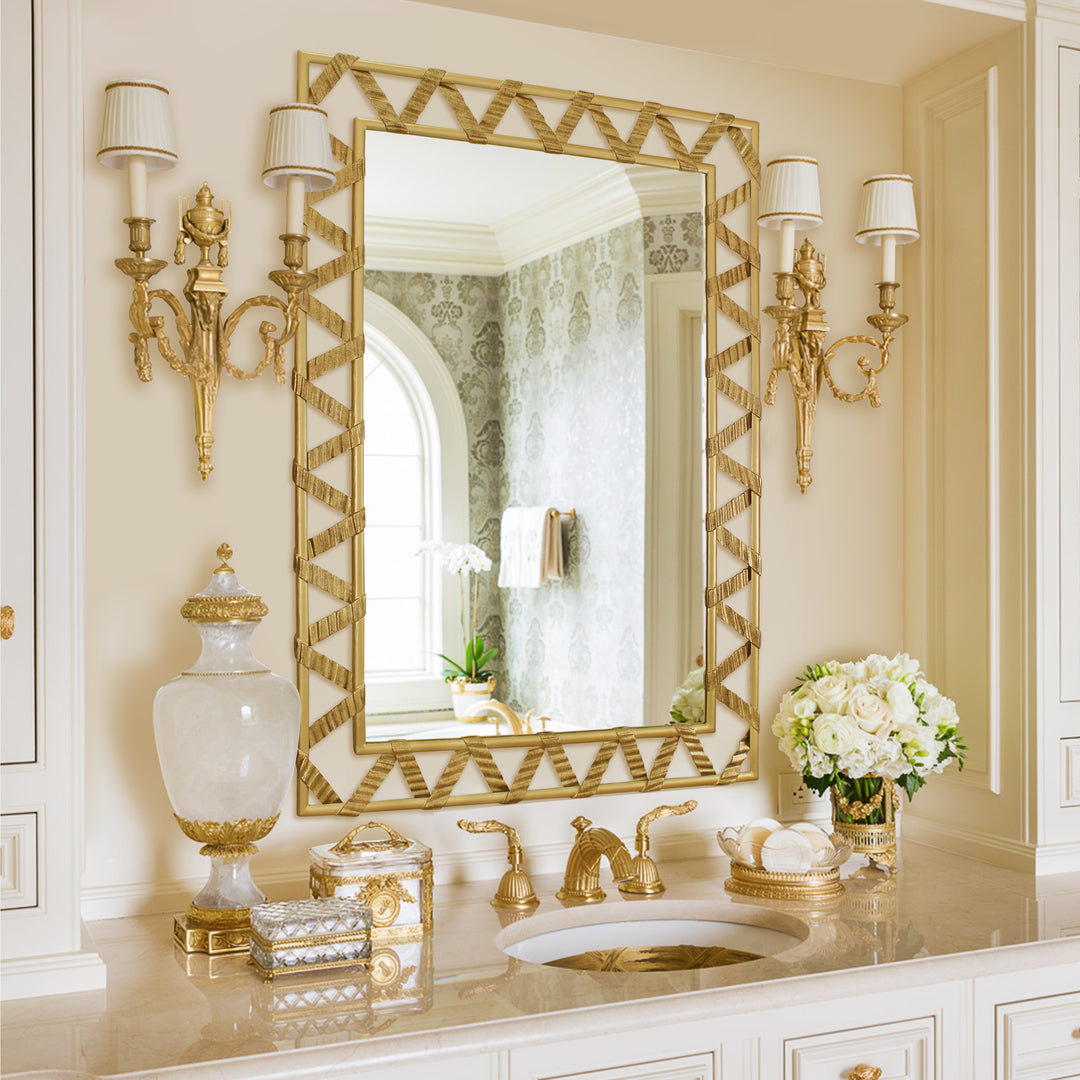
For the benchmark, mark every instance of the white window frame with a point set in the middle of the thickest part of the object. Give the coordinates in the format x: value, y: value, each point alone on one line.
x: 398, y: 342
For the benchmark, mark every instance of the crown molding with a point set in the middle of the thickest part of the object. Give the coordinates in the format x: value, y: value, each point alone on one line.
x: 433, y: 246
x: 568, y: 217
x: 1067, y: 11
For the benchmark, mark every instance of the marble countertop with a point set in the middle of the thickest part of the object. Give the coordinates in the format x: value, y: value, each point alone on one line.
x: 941, y: 917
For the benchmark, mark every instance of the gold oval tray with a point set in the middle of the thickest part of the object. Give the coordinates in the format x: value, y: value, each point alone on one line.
x: 777, y: 885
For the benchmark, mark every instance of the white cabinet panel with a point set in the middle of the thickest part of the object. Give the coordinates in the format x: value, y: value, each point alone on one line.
x: 18, y: 861
x: 474, y: 1067
x: 902, y: 1051
x: 18, y: 734
x: 698, y: 1067
x: 1070, y: 772
x: 1039, y: 1039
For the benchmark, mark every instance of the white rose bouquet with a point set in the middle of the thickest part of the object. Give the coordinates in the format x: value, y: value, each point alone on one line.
x: 688, y: 703
x: 847, y: 726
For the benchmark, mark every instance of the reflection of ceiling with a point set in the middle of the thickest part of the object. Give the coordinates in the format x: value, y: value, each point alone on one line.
x: 880, y: 41
x: 455, y: 207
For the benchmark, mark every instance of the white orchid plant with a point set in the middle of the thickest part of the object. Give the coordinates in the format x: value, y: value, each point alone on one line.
x: 463, y: 560
x: 872, y: 718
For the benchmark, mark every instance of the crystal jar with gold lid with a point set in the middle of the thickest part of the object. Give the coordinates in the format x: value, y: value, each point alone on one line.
x: 226, y: 731
x: 392, y: 876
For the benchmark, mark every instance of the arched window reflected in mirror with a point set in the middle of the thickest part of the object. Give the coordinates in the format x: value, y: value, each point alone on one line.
x: 416, y: 488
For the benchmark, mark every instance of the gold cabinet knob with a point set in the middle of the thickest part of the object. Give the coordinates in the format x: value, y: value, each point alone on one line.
x: 865, y: 1072
x: 515, y: 890
x: 7, y: 621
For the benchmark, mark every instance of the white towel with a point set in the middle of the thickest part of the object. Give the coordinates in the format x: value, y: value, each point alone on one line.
x: 530, y: 547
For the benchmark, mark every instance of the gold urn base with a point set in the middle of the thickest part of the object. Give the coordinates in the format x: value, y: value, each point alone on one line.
x: 877, y: 841
x: 214, y: 932
x: 777, y: 885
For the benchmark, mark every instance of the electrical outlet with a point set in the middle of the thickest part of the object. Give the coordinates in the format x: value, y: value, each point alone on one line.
x: 795, y: 799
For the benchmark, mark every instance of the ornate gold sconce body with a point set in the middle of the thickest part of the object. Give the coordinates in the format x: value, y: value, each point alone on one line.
x: 137, y: 136
x: 799, y: 347
x: 790, y: 198
x: 203, y: 339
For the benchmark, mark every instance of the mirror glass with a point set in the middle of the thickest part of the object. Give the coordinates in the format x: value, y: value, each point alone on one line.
x: 533, y: 388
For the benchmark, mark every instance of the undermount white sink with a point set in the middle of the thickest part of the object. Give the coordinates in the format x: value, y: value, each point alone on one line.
x: 651, y: 924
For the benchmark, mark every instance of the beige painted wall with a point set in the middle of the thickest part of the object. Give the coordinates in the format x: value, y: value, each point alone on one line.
x: 832, y: 577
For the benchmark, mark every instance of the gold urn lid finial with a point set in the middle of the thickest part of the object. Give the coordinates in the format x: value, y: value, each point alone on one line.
x: 224, y: 553
x: 224, y: 600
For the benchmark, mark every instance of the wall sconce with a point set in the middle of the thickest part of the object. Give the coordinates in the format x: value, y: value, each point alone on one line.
x: 789, y: 198
x: 137, y: 134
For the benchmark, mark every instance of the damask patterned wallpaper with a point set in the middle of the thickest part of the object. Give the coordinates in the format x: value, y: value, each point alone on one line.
x: 574, y: 428
x: 549, y: 362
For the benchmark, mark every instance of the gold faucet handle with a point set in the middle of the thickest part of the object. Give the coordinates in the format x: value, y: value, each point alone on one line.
x: 655, y: 814
x: 515, y: 890
x: 513, y: 840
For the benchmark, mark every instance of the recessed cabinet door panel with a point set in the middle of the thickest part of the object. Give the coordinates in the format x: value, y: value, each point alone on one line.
x: 902, y: 1051
x: 18, y: 742
x: 698, y: 1067
x: 1040, y: 1040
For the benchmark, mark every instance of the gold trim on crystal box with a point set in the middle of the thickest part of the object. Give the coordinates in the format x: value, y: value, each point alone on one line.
x: 680, y: 139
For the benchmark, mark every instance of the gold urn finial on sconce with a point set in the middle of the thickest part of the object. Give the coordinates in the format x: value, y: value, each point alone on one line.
x: 790, y: 198
x: 137, y: 135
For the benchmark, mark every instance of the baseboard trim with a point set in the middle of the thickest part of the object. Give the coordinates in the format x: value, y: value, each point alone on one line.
x: 1038, y: 859
x: 60, y: 973
x: 288, y: 879
x: 1057, y: 859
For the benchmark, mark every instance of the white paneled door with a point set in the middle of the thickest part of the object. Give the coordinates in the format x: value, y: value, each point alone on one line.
x: 18, y: 737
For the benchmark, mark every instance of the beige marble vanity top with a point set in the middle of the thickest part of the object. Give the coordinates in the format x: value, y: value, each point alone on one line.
x: 947, y: 917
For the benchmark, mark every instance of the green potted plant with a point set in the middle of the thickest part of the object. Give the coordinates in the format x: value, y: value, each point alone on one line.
x: 473, y: 681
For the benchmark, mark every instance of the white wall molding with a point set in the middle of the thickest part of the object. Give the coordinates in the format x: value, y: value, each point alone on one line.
x: 1054, y: 354
x: 62, y: 973
x: 1039, y: 859
x: 975, y: 98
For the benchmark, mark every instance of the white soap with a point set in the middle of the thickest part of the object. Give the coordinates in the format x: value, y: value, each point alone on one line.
x: 787, y: 851
x: 766, y: 823
x: 751, y: 840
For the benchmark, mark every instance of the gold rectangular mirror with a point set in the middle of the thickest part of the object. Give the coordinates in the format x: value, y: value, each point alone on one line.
x: 551, y: 356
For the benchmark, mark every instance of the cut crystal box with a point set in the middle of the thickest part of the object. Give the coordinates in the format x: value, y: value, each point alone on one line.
x: 309, y: 935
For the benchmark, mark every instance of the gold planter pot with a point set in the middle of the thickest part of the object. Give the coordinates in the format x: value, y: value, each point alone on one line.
x: 874, y: 839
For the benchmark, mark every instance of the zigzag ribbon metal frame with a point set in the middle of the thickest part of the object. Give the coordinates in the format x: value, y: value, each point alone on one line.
x: 505, y: 780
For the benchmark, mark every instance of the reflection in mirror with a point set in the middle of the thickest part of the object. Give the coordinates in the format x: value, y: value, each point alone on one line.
x: 533, y: 329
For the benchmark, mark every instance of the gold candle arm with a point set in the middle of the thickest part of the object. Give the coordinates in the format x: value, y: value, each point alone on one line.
x: 203, y: 339
x: 646, y: 877
x: 799, y: 348
x: 515, y: 890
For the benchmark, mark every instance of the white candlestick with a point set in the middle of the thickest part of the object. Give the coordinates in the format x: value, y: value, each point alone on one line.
x: 294, y: 205
x: 787, y: 246
x: 138, y: 202
x: 888, y: 258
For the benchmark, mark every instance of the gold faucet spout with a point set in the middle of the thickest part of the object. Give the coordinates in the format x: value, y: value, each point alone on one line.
x: 581, y: 883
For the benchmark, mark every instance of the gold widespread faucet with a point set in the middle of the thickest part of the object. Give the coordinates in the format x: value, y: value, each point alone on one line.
x: 582, y: 881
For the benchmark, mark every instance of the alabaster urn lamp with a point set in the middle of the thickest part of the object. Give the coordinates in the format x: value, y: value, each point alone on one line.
x: 226, y: 732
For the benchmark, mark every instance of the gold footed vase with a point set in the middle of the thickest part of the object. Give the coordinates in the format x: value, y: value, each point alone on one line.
x: 864, y: 814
